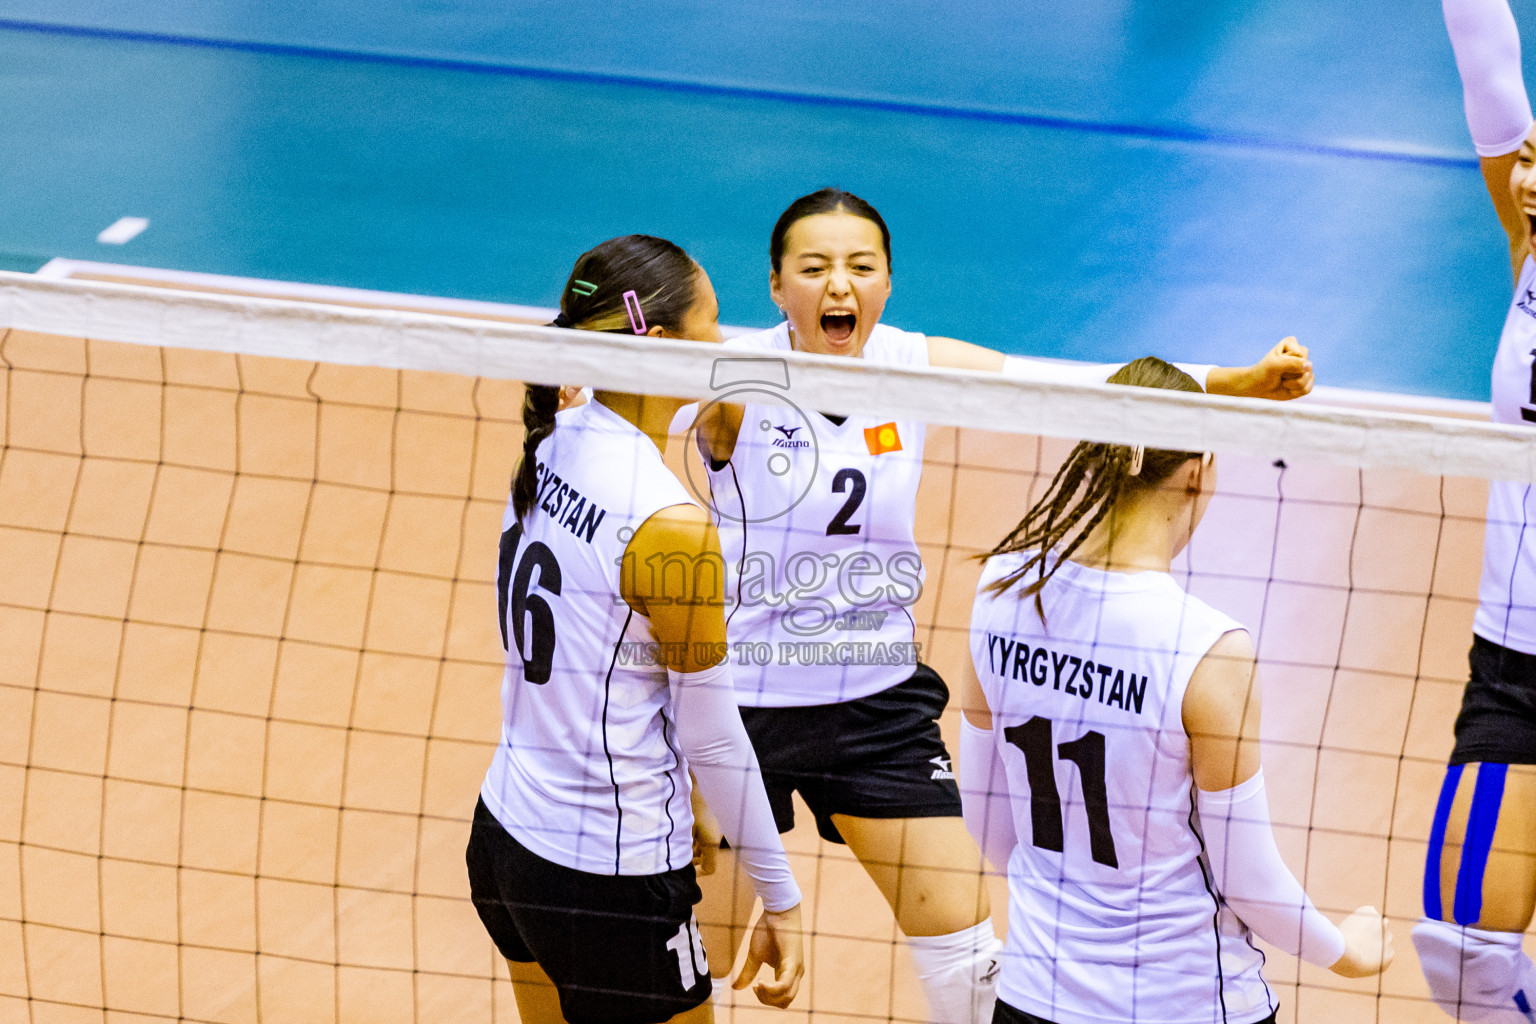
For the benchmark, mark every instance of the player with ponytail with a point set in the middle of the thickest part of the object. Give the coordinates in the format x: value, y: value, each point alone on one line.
x: 1109, y: 760
x: 677, y: 302
x: 581, y: 852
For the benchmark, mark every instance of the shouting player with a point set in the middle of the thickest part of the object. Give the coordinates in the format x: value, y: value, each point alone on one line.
x: 816, y: 514
x: 1110, y: 740
x: 1480, y: 874
x: 580, y: 857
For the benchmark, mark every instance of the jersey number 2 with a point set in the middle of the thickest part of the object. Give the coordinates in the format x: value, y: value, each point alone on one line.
x: 839, y: 525
x: 512, y: 587
x: 1087, y: 752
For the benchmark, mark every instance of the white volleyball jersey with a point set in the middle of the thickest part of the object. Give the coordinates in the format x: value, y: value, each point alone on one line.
x: 587, y: 773
x: 1506, y: 598
x: 1111, y: 917
x: 816, y: 522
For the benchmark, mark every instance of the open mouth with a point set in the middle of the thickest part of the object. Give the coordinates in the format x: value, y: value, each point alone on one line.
x: 838, y: 327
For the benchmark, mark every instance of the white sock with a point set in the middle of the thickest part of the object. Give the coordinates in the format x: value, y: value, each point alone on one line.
x: 958, y: 973
x: 722, y: 993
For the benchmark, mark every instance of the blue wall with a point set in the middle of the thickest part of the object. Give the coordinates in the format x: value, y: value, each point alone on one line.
x: 1090, y: 179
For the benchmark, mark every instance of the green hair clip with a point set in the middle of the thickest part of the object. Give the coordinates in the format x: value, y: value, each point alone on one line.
x: 583, y: 288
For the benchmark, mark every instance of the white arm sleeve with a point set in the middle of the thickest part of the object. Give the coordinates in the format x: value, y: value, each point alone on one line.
x: 1253, y: 879
x: 1051, y: 371
x: 715, y: 744
x: 984, y: 798
x: 1487, y: 44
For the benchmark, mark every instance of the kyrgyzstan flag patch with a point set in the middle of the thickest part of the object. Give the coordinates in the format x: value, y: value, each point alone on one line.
x: 882, y: 439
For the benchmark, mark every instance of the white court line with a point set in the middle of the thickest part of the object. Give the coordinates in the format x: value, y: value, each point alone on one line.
x: 122, y: 230
x: 61, y: 269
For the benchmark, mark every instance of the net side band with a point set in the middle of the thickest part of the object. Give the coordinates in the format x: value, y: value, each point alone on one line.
x: 315, y: 332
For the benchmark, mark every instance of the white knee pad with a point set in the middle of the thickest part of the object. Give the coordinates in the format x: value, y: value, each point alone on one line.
x: 958, y: 973
x: 1477, y: 976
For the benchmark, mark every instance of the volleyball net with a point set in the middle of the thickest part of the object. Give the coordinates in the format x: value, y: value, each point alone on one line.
x: 250, y: 659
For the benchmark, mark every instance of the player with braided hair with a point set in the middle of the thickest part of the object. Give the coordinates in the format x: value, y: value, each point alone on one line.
x: 1087, y: 486
x: 1109, y: 754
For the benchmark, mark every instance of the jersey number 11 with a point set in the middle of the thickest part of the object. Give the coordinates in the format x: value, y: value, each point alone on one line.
x: 1087, y: 752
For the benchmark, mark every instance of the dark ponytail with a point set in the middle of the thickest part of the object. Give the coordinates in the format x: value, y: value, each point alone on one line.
x: 540, y: 403
x: 1088, y: 487
x: 664, y: 280
x: 827, y: 200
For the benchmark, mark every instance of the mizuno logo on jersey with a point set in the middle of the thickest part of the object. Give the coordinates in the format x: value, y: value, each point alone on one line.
x: 788, y: 440
x: 1527, y: 303
x: 945, y: 768
x: 882, y: 439
x: 1079, y: 677
x: 566, y: 506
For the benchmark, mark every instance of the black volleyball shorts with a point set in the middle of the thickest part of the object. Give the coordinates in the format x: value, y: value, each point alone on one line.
x: 621, y: 949
x: 880, y: 756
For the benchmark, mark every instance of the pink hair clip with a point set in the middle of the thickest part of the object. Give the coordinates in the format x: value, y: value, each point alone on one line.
x: 636, y: 315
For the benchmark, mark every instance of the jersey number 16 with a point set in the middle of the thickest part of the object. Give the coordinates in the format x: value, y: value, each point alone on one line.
x: 512, y: 586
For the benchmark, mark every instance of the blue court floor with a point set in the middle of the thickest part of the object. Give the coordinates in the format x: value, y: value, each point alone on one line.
x: 1093, y: 179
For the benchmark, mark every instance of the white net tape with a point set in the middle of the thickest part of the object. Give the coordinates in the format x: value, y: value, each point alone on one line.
x: 419, y: 341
